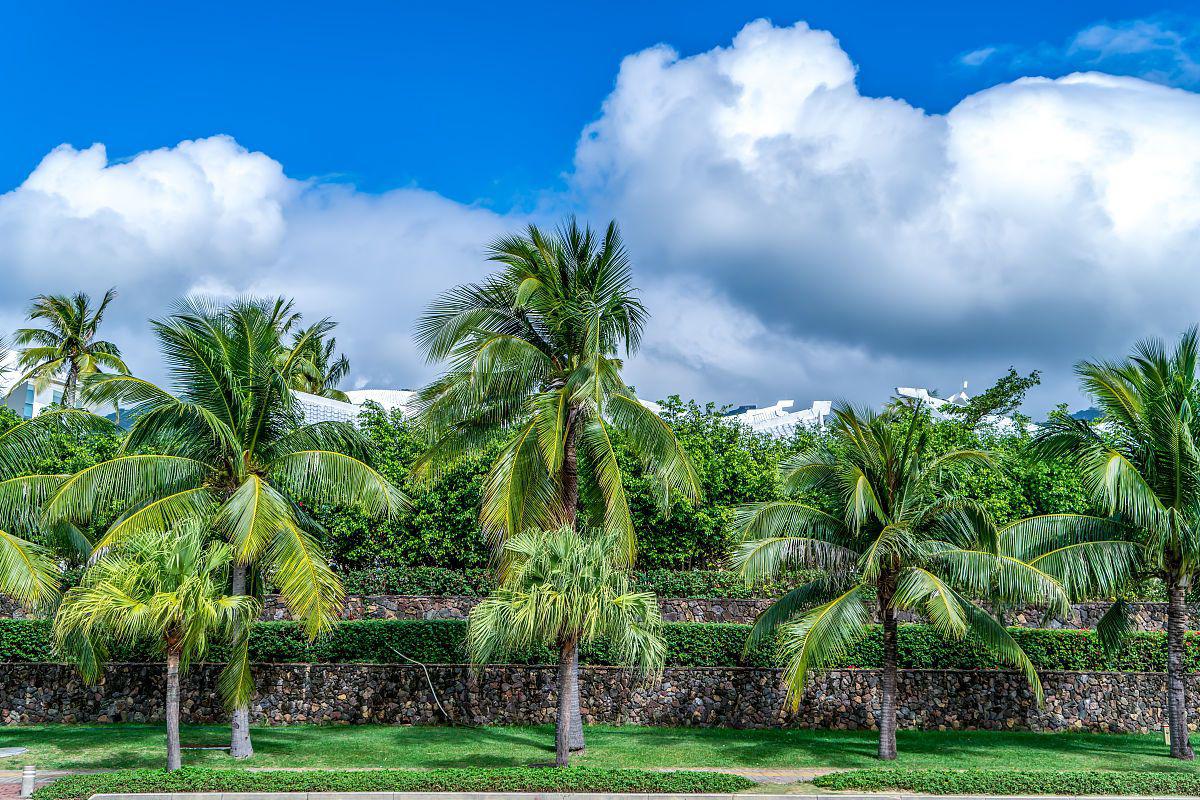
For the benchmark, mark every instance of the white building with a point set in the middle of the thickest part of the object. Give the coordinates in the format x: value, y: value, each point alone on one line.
x: 324, y: 409
x: 779, y: 422
x: 937, y: 407
x: 26, y: 400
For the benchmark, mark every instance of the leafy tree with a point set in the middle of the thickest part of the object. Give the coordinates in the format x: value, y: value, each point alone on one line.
x: 733, y: 466
x: 228, y: 451
x: 439, y: 526
x: 29, y: 549
x: 562, y: 589
x: 66, y: 347
x: 166, y: 587
x: 1143, y: 466
x: 533, y: 351
x: 903, y: 541
x: 1003, y: 398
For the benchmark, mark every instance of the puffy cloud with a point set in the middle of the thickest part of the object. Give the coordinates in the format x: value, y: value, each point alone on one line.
x: 794, y: 237
x: 210, y: 216
x: 1035, y: 223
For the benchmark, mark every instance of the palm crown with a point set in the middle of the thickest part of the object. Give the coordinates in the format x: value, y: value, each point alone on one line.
x: 534, y: 350
x: 67, y: 347
x: 229, y: 449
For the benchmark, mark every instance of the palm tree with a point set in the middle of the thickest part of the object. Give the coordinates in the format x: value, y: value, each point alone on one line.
x: 229, y: 450
x: 532, y: 352
x: 562, y: 589
x: 902, y: 542
x: 1143, y: 466
x: 166, y: 587
x: 319, y: 368
x: 67, y: 347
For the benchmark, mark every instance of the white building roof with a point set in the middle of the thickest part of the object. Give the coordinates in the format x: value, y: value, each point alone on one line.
x: 778, y: 421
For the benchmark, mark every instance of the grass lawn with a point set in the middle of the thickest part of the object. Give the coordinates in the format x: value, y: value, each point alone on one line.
x: 127, y: 745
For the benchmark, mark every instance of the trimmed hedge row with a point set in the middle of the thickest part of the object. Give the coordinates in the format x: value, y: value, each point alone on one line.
x: 438, y: 581
x: 473, y: 779
x: 689, y: 644
x: 1014, y: 782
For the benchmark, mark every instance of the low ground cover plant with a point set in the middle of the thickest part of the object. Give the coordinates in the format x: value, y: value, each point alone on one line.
x: 1013, y: 782
x: 514, y: 779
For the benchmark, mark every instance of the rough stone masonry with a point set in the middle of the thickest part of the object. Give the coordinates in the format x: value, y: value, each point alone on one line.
x: 706, y: 697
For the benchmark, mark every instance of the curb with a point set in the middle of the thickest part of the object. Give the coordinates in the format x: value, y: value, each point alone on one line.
x: 605, y: 796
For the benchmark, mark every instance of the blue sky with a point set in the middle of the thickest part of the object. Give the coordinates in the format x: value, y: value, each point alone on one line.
x: 822, y: 199
x: 478, y: 101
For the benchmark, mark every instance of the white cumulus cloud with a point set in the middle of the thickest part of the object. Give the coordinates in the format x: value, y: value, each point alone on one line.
x: 1035, y: 223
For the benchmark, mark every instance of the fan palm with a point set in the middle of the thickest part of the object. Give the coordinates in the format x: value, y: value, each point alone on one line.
x: 66, y: 348
x: 532, y: 351
x: 228, y: 450
x: 168, y: 588
x: 903, y: 542
x: 1143, y: 466
x: 319, y: 368
x: 562, y: 589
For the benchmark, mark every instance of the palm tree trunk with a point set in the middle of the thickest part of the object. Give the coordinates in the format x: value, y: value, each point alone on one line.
x: 566, y: 685
x: 240, y: 745
x: 71, y: 384
x: 1177, y: 722
x: 570, y: 499
x: 575, y: 738
x: 887, y: 705
x: 174, y: 752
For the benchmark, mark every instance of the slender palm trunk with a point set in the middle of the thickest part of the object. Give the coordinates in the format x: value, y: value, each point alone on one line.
x: 240, y: 745
x: 566, y: 687
x: 174, y: 752
x: 570, y: 497
x: 1177, y: 722
x: 71, y: 384
x: 887, y: 682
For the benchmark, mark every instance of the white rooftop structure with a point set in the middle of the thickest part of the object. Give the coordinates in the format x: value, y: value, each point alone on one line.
x: 779, y: 422
x: 936, y: 406
x: 324, y: 409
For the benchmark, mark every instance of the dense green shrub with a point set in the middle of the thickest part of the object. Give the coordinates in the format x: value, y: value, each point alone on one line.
x: 688, y: 644
x: 1014, y: 782
x: 477, y: 582
x: 475, y: 779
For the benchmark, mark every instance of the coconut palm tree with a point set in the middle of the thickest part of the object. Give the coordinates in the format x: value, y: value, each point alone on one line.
x: 562, y: 589
x: 319, y: 368
x: 67, y: 347
x: 533, y: 353
x: 228, y: 449
x: 1143, y: 466
x: 902, y: 542
x: 169, y: 588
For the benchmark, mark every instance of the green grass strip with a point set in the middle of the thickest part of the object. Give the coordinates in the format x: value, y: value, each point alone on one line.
x: 1008, y: 782
x: 519, y: 779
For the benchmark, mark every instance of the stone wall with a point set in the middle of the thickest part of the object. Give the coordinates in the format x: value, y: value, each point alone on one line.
x: 732, y: 697
x: 1147, y: 616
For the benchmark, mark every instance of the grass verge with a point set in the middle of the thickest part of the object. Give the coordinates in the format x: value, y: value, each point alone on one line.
x: 1008, y: 782
x: 129, y: 745
x: 572, y: 779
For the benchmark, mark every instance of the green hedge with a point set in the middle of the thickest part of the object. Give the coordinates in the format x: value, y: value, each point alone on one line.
x: 688, y: 644
x: 1013, y: 782
x: 474, y: 779
x: 479, y: 582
